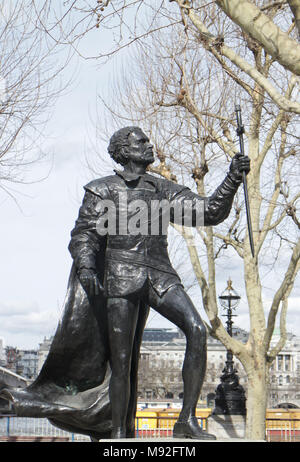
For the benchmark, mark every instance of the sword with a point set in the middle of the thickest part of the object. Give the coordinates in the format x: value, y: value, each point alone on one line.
x: 240, y: 131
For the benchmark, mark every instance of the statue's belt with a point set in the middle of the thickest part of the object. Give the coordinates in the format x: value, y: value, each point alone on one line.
x: 135, y: 258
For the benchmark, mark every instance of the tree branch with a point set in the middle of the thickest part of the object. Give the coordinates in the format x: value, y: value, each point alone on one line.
x: 268, y: 141
x: 295, y: 8
x: 282, y: 326
x: 257, y: 24
x: 241, y: 63
x: 227, y: 147
x: 283, y: 291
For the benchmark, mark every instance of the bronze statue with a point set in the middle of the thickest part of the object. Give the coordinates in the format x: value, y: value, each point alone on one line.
x: 121, y: 267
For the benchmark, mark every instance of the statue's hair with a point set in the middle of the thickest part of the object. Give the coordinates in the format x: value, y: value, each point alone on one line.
x: 118, y: 141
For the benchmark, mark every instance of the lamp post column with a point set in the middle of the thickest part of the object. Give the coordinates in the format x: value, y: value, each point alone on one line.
x: 230, y: 395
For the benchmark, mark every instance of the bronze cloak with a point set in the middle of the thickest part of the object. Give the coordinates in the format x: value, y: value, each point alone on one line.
x: 72, y: 388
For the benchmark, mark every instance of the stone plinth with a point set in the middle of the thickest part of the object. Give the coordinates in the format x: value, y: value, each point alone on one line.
x: 227, y: 426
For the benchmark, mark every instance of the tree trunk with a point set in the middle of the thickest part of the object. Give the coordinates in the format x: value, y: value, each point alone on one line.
x: 257, y: 399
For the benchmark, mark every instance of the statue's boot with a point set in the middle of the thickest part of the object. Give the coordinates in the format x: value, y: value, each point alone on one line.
x: 190, y: 429
x: 130, y: 432
x: 118, y: 433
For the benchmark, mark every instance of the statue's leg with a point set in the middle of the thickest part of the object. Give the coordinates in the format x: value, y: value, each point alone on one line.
x: 142, y: 318
x: 122, y: 320
x: 177, y: 307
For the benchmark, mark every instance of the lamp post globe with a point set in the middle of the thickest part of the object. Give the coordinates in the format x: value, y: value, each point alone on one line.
x: 230, y: 395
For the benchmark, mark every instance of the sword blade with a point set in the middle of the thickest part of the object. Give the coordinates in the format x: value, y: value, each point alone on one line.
x: 240, y: 131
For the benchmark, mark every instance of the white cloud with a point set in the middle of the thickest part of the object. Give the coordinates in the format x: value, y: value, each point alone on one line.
x: 25, y: 326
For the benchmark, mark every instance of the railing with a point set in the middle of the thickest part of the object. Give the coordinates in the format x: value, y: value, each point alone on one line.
x: 158, y: 426
x: 283, y: 430
x: 13, y: 428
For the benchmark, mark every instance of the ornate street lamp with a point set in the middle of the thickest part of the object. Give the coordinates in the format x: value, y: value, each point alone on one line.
x: 230, y: 395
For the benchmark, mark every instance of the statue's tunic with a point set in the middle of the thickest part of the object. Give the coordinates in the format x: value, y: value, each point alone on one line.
x: 134, y: 260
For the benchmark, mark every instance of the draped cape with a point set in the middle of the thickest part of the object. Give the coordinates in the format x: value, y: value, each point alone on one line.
x: 72, y: 388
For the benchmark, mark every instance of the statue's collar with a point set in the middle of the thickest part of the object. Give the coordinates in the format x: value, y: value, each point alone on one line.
x: 129, y: 176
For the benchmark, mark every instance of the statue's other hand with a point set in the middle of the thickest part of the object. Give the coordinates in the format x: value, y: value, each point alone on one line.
x: 239, y: 164
x: 90, y: 282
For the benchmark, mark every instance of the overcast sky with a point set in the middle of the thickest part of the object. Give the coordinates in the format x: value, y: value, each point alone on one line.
x: 35, y: 261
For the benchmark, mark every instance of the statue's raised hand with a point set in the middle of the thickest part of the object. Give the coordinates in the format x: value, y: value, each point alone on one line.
x: 239, y: 164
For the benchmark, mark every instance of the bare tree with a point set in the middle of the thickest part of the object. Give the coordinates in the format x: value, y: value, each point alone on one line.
x: 30, y: 71
x: 183, y: 96
x: 119, y: 23
x: 187, y: 105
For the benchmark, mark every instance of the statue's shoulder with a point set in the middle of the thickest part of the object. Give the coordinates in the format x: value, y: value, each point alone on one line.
x: 164, y: 184
x: 100, y: 186
x: 158, y: 180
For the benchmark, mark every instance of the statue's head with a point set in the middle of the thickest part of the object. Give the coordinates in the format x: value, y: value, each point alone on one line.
x: 130, y: 143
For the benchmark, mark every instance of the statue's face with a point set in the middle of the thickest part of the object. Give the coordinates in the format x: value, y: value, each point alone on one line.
x: 139, y: 149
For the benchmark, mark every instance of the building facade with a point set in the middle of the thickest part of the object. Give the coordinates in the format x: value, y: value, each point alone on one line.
x: 43, y: 351
x: 161, y: 360
x: 285, y: 374
x: 2, y: 353
x: 27, y: 363
x: 162, y: 355
x: 22, y: 362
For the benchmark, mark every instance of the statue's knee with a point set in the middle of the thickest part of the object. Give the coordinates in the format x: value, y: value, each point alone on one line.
x: 198, y: 330
x: 121, y: 365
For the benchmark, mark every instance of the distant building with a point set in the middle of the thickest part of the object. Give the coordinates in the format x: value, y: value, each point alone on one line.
x: 11, y: 358
x: 22, y: 362
x: 2, y: 353
x: 43, y: 351
x: 160, y: 335
x: 27, y: 363
x: 162, y: 355
x: 285, y: 373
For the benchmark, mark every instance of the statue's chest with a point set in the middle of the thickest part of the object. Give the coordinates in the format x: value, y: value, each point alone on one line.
x: 131, y: 195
